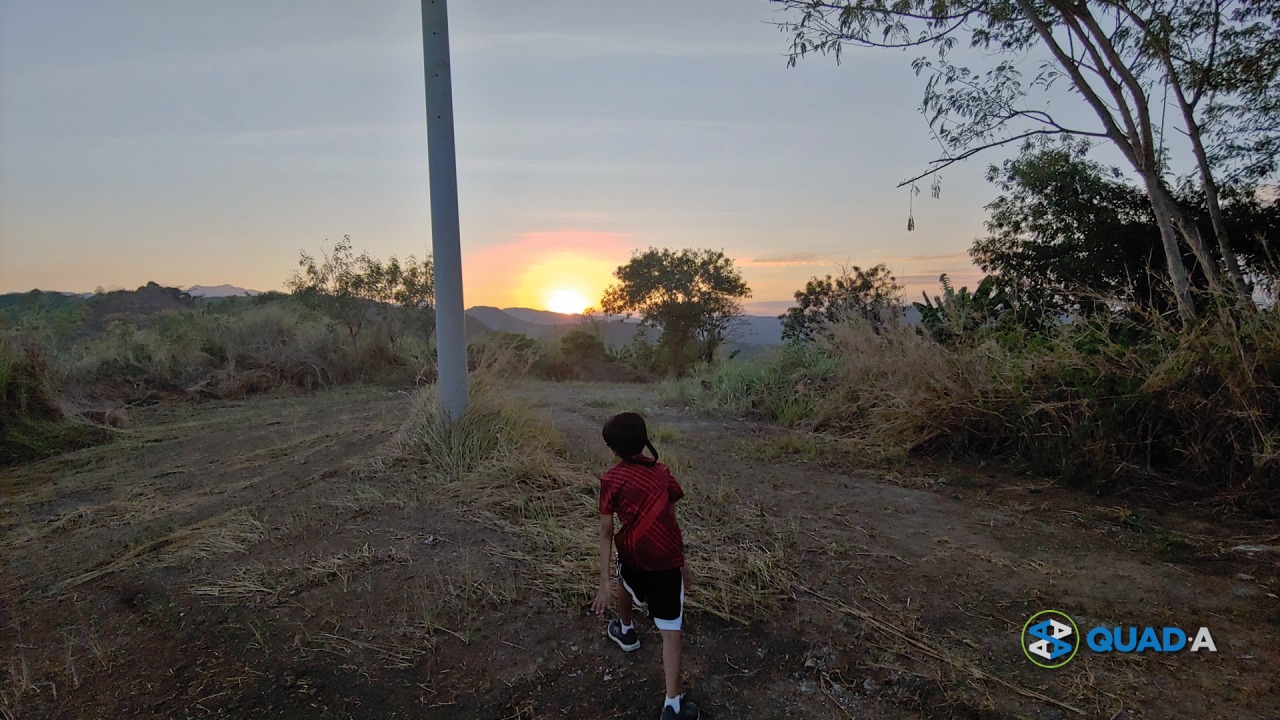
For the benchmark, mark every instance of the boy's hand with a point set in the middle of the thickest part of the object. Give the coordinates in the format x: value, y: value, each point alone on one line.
x: 602, y: 598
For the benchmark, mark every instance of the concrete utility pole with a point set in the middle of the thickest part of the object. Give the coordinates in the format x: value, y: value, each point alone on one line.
x: 451, y: 341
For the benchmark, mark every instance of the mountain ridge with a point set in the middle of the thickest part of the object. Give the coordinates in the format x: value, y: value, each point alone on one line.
x: 542, y: 325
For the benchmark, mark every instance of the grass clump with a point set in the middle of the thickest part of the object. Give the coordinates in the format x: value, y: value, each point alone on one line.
x: 504, y: 462
x: 496, y: 438
x: 507, y: 465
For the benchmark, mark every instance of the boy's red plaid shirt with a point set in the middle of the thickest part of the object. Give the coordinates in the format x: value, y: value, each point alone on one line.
x: 632, y: 491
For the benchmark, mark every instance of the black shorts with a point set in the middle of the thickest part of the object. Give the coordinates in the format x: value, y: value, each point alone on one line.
x: 661, y: 590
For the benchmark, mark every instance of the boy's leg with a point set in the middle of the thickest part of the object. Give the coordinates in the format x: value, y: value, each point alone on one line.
x: 666, y: 606
x: 671, y: 661
x: 625, y: 613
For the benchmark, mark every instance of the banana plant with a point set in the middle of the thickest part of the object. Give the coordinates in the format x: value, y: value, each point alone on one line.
x: 955, y: 314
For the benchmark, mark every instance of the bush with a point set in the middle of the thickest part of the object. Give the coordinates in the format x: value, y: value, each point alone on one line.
x: 242, y: 349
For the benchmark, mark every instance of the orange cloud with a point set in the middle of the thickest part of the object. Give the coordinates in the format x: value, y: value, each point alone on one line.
x: 530, y: 270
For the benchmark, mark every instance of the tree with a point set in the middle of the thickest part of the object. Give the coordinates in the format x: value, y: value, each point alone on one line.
x: 1067, y: 232
x: 1068, y: 235
x: 691, y: 295
x: 871, y: 294
x: 356, y: 289
x: 581, y: 348
x: 1244, y: 126
x: 1113, y: 53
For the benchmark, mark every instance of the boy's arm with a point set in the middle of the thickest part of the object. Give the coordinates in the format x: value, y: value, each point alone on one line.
x: 606, y: 554
x: 674, y: 491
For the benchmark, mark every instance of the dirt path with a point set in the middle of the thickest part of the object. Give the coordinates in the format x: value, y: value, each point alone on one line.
x: 256, y: 560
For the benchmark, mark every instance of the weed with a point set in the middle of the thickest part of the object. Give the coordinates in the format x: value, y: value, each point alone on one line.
x: 662, y: 434
x: 1172, y: 547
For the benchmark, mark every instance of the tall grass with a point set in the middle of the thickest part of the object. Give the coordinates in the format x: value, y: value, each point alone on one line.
x: 259, y: 348
x: 786, y: 387
x: 1102, y: 403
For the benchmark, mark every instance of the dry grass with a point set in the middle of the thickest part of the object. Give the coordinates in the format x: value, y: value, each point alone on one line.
x: 230, y: 532
x: 899, y: 390
x: 909, y: 638
x: 508, y: 467
x: 264, y: 584
x: 1126, y: 398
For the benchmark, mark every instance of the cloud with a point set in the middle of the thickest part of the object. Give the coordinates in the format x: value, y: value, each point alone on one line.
x: 572, y: 44
x: 951, y: 257
x: 790, y: 260
x: 588, y: 169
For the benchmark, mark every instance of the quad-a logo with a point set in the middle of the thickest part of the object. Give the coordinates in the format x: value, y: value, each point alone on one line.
x: 1133, y: 639
x: 1050, y: 639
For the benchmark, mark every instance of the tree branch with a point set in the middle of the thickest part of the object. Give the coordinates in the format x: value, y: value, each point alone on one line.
x: 1114, y: 133
x: 1113, y: 86
x: 947, y: 162
x: 1126, y: 75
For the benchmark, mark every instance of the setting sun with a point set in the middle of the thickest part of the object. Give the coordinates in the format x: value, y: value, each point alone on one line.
x: 567, y: 301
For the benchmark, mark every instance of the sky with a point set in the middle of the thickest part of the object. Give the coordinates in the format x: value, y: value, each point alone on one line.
x: 206, y: 143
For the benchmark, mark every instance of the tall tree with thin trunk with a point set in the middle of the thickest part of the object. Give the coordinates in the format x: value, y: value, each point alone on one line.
x: 1185, y: 39
x: 1098, y: 48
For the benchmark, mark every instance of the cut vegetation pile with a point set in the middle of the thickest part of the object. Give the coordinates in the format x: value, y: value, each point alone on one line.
x: 34, y: 420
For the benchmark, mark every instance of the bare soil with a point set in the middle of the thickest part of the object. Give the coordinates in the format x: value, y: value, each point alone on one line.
x: 260, y: 559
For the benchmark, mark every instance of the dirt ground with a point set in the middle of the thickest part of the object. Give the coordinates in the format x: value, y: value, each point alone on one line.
x: 262, y: 559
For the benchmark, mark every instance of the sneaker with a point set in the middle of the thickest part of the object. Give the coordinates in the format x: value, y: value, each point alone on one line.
x: 628, y: 641
x: 688, y: 711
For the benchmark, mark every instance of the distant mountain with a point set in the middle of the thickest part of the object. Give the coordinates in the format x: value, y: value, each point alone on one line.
x: 756, y: 330
x: 759, y: 330
x: 39, y: 298
x: 503, y: 321
x: 543, y: 317
x: 219, y: 291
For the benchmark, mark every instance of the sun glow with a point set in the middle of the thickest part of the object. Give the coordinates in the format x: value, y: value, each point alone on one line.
x: 567, y: 301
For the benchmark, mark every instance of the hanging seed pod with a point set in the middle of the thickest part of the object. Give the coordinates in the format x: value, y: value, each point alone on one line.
x: 912, y: 192
x: 937, y: 187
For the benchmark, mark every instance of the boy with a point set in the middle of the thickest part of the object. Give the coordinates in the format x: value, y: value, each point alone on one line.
x: 650, y: 568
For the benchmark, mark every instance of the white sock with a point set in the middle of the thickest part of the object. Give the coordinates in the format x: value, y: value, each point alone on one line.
x: 625, y: 628
x: 674, y: 702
